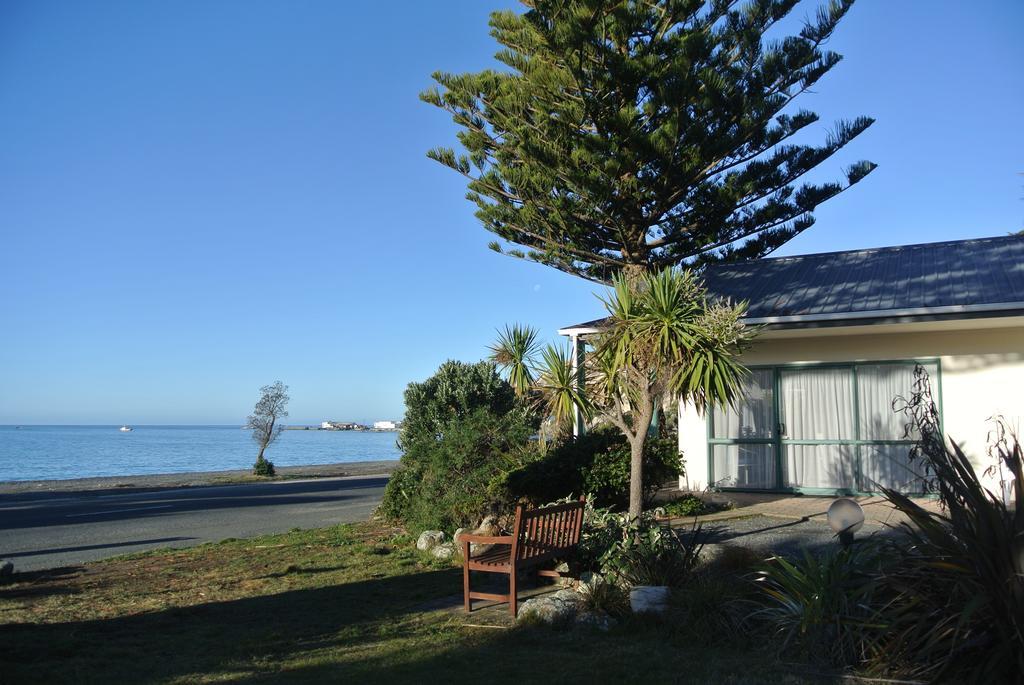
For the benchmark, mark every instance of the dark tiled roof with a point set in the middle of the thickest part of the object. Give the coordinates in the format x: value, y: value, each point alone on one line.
x: 962, y: 273
x: 909, y: 280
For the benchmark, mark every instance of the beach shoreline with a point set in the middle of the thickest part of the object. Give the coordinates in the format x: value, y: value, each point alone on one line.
x: 159, y: 481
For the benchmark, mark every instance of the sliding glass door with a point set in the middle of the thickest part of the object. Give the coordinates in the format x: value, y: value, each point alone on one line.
x: 743, y: 449
x: 827, y: 428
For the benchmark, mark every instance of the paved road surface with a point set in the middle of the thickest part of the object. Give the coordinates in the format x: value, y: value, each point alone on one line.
x: 47, y: 530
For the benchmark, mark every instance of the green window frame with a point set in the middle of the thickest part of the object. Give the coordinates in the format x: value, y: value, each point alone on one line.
x: 856, y: 444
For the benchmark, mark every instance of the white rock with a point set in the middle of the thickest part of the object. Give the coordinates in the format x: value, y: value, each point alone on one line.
x: 568, y: 595
x: 555, y: 609
x: 649, y: 599
x: 446, y: 550
x: 429, y: 539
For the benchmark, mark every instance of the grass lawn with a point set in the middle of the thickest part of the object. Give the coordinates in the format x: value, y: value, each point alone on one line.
x: 350, y: 602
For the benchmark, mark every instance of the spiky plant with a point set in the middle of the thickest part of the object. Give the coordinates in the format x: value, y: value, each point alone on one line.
x: 558, y: 390
x: 820, y: 606
x: 513, y: 352
x: 957, y: 604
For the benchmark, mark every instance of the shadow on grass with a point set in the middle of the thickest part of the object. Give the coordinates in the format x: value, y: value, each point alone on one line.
x: 373, y: 631
x: 85, y: 548
x: 214, y: 637
x: 34, y: 587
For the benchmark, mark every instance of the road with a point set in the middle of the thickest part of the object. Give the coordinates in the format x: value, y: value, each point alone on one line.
x: 52, y: 529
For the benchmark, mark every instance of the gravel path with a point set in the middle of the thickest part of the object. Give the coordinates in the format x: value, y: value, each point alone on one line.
x: 788, y: 537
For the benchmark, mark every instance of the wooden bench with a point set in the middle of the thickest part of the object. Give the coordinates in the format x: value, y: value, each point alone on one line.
x: 538, y: 536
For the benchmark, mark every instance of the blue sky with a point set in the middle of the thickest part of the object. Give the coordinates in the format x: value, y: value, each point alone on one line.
x: 200, y: 198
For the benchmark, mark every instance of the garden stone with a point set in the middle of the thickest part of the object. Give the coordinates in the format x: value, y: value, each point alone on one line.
x: 456, y: 538
x: 595, y: 620
x: 446, y: 550
x: 652, y: 599
x: 568, y: 595
x: 6, y: 568
x: 489, y: 526
x: 557, y: 609
x: 429, y: 539
x: 564, y: 568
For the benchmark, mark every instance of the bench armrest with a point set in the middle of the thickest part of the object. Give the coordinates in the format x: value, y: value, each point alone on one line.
x: 486, y: 539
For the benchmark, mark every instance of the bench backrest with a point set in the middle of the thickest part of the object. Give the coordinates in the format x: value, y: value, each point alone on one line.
x: 548, y: 532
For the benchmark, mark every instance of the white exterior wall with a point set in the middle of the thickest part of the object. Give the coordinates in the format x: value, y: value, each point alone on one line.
x: 981, y: 369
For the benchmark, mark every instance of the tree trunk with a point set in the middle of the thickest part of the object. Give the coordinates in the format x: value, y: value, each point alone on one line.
x: 637, y: 440
x: 636, y: 475
x: 634, y: 274
x: 266, y: 440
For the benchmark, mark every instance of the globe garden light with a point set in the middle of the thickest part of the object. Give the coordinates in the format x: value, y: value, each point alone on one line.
x: 845, y: 517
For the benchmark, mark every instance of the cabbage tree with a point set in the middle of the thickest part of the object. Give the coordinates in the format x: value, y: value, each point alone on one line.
x: 663, y: 338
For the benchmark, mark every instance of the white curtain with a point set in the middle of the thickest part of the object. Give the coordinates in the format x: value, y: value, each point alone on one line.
x: 821, y: 466
x: 889, y: 466
x: 817, y: 404
x: 754, y: 413
x: 744, y: 466
x: 878, y: 386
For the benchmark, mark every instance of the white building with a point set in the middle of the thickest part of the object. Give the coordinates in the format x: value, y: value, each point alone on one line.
x: 384, y: 425
x: 841, y: 334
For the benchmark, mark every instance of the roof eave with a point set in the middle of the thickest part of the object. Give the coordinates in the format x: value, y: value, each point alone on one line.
x: 908, y: 315
x: 865, y: 318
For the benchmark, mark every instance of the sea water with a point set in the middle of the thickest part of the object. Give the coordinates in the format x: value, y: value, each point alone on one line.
x: 58, y: 452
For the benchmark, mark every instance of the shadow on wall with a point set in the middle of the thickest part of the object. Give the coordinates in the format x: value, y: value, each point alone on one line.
x: 978, y: 362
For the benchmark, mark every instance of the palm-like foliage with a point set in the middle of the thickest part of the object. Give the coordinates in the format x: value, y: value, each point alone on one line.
x: 557, y: 388
x: 513, y: 352
x: 665, y: 333
x: 664, y: 339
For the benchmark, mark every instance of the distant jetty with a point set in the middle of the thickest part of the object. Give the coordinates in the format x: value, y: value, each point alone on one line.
x: 377, y: 427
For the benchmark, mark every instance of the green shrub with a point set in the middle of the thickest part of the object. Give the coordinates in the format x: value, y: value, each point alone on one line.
x: 647, y: 553
x: 263, y: 467
x: 596, y: 463
x: 688, y: 505
x: 463, y: 426
x: 607, y: 478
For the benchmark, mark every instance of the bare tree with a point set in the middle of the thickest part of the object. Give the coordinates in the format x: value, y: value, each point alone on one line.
x: 265, y: 423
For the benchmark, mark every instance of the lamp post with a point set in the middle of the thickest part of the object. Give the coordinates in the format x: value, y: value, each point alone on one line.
x: 845, y: 517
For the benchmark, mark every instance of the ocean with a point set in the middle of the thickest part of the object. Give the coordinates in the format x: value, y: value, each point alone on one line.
x: 59, y: 452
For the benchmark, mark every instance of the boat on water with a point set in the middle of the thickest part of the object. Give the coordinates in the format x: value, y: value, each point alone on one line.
x: 126, y: 429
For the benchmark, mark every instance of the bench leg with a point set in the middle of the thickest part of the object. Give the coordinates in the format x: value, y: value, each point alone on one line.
x: 512, y: 593
x: 465, y: 588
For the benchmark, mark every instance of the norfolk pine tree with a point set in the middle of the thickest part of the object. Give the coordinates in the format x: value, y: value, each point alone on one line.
x: 632, y: 135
